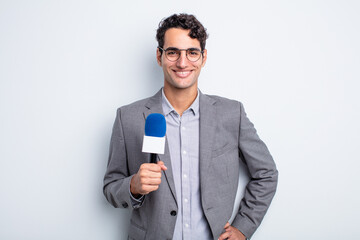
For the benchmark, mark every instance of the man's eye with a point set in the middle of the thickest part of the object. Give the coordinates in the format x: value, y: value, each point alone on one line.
x: 170, y: 53
x: 194, y: 53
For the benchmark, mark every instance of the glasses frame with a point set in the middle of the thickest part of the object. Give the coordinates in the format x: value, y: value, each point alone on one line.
x: 186, y: 52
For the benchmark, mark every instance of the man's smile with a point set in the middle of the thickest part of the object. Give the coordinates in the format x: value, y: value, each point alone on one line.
x: 182, y: 73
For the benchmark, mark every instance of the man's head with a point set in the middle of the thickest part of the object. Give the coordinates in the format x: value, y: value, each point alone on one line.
x: 183, y: 39
x: 183, y: 21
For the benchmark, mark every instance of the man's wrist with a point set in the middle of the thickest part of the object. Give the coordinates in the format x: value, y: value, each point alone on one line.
x: 137, y: 197
x: 133, y: 192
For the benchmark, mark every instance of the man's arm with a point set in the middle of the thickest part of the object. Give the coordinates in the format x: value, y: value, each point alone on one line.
x: 117, y: 178
x: 121, y: 187
x: 263, y: 178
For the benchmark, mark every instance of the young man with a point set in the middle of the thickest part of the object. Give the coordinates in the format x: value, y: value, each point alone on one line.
x: 190, y: 192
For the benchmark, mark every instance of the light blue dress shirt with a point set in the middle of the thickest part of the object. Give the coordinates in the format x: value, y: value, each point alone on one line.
x: 182, y: 133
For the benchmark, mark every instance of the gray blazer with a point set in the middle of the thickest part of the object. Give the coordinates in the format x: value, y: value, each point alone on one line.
x: 226, y: 137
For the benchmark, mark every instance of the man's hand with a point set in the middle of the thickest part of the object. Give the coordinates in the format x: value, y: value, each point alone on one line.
x: 147, y: 179
x: 231, y: 233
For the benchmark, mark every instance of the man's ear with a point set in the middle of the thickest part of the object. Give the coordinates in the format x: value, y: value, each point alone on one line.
x: 158, y: 56
x: 204, y: 58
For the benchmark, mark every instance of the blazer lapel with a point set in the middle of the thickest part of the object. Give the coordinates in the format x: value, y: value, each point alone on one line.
x: 207, y: 132
x: 154, y: 105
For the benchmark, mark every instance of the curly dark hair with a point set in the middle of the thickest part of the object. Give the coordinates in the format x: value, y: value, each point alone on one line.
x: 184, y: 21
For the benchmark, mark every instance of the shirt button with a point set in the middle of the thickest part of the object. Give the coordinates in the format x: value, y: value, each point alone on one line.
x: 185, y: 176
x: 186, y: 225
x: 183, y: 128
x: 173, y: 213
x: 185, y: 200
x: 184, y: 152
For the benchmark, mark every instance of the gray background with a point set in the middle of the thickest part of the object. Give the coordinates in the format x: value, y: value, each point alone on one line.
x: 65, y: 66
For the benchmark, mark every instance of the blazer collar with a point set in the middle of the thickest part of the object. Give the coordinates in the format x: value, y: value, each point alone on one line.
x: 153, y: 105
x: 208, y: 120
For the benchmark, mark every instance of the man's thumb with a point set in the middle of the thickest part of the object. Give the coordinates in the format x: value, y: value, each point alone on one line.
x: 162, y: 165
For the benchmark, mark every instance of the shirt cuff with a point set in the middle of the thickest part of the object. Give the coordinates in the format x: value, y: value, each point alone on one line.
x: 136, y: 202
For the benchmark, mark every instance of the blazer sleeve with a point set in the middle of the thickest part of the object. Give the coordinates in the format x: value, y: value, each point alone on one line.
x: 117, y: 180
x: 261, y: 188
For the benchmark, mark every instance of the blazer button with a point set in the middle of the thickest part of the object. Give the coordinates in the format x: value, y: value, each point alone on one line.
x: 173, y: 213
x: 125, y: 205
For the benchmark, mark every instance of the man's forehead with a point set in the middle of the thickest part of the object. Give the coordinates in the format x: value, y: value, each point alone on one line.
x: 179, y: 38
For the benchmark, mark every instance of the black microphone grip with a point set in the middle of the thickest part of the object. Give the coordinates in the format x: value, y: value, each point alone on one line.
x: 153, y: 158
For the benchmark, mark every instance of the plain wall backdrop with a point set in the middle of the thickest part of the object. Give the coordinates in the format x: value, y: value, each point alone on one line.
x: 65, y: 67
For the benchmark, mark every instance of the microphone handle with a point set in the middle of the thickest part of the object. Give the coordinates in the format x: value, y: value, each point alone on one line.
x: 153, y: 158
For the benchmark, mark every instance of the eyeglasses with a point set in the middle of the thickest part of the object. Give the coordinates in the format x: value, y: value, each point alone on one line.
x: 173, y: 54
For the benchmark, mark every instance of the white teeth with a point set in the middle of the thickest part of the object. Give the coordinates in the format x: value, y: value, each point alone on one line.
x: 182, y: 73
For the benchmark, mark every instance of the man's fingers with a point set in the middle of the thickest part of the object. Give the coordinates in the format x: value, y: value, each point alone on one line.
x: 152, y: 167
x: 150, y: 180
x: 147, y: 179
x: 162, y: 165
x: 149, y: 174
x: 227, y: 225
x: 232, y: 233
x: 224, y: 236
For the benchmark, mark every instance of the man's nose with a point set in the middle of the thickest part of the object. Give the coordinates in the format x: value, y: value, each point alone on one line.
x: 182, y: 61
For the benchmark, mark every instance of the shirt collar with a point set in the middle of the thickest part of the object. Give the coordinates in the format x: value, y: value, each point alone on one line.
x: 168, y: 108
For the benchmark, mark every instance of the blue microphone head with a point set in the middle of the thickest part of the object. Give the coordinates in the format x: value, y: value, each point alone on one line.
x: 155, y: 125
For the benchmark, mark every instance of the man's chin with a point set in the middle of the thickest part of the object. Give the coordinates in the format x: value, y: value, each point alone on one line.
x: 181, y: 83
x: 184, y: 85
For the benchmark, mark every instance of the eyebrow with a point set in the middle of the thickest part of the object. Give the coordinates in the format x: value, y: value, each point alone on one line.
x: 175, y: 49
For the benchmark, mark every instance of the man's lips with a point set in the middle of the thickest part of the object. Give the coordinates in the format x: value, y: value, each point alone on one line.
x: 182, y: 73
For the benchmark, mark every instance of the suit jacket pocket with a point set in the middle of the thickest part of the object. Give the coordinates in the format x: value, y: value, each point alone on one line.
x: 136, y: 232
x: 222, y: 163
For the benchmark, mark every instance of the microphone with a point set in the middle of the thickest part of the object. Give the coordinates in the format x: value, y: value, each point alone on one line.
x: 154, y: 138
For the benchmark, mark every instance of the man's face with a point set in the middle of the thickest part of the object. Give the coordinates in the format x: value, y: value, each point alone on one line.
x: 181, y: 74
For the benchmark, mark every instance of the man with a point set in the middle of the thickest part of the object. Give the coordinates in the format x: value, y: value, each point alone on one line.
x: 190, y: 192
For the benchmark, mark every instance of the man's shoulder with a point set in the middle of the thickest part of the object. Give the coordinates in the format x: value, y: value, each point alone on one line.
x: 222, y: 101
x: 142, y: 103
x: 137, y: 104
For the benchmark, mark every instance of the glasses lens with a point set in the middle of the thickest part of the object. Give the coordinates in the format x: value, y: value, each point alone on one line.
x: 193, y: 54
x: 172, y: 54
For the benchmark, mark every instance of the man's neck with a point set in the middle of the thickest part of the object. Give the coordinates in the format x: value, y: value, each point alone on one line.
x: 181, y: 99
